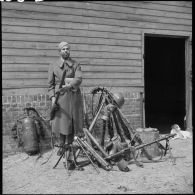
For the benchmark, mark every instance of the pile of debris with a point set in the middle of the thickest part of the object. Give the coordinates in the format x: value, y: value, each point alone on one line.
x: 119, y: 142
x: 122, y: 144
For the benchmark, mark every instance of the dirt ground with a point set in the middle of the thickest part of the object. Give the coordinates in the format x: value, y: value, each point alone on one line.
x: 22, y: 176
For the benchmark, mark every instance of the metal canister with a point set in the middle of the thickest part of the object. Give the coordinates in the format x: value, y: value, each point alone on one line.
x: 29, y: 136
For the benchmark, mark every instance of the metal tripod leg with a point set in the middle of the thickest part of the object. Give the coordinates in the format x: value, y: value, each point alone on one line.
x: 59, y: 159
x: 138, y: 164
x: 64, y: 153
x: 168, y: 147
x: 66, y: 162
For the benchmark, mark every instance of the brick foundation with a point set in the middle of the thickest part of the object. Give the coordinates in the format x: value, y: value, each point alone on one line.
x: 12, y: 107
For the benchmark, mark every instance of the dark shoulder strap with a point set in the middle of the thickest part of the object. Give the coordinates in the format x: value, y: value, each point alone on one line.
x: 60, y: 86
x: 62, y: 80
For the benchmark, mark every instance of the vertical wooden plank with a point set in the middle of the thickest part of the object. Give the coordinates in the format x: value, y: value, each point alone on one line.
x: 188, y: 76
x: 142, y: 97
x: 119, y: 27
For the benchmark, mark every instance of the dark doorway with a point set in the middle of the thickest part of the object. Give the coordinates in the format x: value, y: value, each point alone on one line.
x: 164, y: 72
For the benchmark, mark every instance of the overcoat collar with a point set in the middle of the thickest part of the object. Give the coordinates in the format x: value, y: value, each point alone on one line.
x: 61, y: 62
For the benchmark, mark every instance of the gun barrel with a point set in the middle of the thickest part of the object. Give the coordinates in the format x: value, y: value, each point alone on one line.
x: 95, y: 142
x: 158, y: 140
x: 96, y: 117
x: 80, y: 142
x: 137, y: 147
x: 100, y: 159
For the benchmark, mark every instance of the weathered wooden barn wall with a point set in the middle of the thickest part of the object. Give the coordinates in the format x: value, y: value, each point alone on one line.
x: 105, y: 36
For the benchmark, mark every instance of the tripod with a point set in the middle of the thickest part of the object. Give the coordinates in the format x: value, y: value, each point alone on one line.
x: 66, y: 149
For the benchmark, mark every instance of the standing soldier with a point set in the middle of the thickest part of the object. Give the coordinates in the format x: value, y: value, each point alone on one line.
x: 68, y: 120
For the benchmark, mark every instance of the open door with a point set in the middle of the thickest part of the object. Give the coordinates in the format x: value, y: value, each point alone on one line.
x: 165, y: 82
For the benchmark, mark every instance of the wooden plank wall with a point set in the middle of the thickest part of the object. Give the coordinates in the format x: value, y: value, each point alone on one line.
x: 105, y: 36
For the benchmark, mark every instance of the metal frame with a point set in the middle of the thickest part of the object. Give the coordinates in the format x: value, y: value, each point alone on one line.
x: 188, y: 66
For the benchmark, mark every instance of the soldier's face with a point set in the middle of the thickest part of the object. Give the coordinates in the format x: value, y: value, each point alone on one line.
x: 65, y: 52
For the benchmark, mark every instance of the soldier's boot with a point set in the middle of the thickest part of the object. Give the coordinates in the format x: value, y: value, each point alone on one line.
x: 71, y: 163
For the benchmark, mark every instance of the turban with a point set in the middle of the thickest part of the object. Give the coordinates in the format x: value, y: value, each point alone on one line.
x: 62, y: 44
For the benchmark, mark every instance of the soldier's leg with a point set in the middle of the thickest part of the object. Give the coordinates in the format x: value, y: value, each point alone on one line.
x: 69, y: 140
x: 62, y: 142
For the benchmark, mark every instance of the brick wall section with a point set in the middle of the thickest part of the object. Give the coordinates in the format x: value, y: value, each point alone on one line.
x: 12, y: 107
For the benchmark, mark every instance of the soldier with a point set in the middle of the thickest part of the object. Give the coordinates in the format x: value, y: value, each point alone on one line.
x: 68, y: 120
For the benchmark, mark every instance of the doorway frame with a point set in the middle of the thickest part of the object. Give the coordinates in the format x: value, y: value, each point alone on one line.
x: 188, y: 69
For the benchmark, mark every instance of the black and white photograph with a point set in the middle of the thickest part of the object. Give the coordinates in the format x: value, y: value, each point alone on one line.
x: 97, y: 97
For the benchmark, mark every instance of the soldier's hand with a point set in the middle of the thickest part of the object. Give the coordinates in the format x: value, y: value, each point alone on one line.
x: 65, y: 88
x: 61, y: 91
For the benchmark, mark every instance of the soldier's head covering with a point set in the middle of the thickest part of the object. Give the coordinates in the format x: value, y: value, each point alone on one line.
x: 62, y: 44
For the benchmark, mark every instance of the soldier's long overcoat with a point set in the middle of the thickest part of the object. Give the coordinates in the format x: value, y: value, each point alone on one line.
x: 69, y: 118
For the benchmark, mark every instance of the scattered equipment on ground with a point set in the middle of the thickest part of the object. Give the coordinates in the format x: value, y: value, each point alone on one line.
x: 118, y: 142
x: 123, y: 142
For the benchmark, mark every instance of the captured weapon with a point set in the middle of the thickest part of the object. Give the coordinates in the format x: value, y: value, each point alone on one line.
x: 56, y: 106
x: 134, y: 148
x: 131, y: 150
x: 112, y: 113
x: 80, y: 143
x: 136, y: 138
x: 98, y: 157
x: 119, y: 118
x: 96, y: 116
x: 95, y: 142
